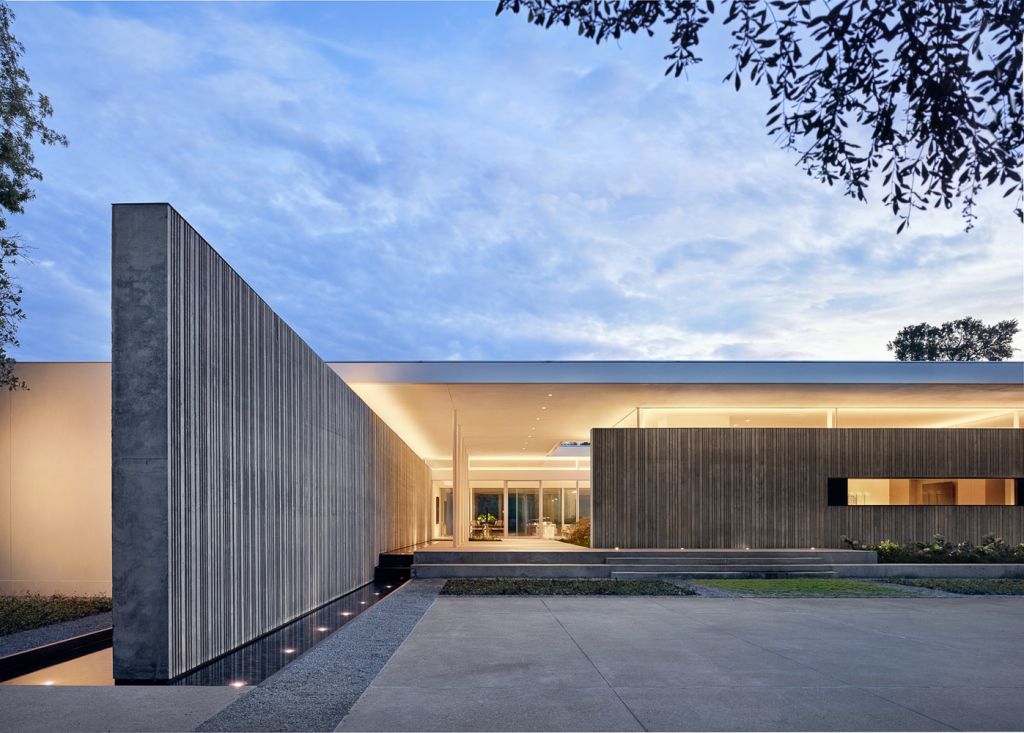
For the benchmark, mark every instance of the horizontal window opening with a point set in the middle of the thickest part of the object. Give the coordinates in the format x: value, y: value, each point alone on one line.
x: 935, y: 491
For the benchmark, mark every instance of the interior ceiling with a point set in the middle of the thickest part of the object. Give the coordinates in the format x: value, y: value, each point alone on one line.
x: 525, y: 421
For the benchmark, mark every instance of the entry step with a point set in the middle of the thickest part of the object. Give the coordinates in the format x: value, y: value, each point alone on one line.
x: 722, y: 574
x: 733, y: 567
x: 723, y: 560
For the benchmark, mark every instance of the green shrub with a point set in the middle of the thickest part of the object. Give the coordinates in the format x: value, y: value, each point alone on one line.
x: 939, y: 550
x: 20, y: 613
x: 579, y: 534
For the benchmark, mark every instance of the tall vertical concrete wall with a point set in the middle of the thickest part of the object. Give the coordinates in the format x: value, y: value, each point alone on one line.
x: 250, y: 484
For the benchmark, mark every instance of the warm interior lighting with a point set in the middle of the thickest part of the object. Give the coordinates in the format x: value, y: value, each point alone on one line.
x: 288, y: 651
x: 49, y: 682
x: 362, y: 603
x: 321, y: 628
x: 237, y: 683
x: 936, y: 491
x: 345, y: 613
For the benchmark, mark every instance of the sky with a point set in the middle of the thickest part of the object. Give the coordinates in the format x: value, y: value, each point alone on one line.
x: 429, y: 181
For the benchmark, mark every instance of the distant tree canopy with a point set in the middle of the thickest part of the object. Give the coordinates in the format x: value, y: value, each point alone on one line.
x: 925, y: 94
x: 966, y: 339
x: 22, y: 120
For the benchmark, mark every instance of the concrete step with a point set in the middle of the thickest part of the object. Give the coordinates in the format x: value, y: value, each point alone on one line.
x: 683, y: 559
x: 734, y: 568
x: 508, y: 557
x: 721, y: 575
x: 509, y: 570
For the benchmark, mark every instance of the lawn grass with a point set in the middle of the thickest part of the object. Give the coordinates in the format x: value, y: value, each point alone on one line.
x: 805, y: 587
x: 968, y: 586
x: 559, y: 587
x: 20, y: 613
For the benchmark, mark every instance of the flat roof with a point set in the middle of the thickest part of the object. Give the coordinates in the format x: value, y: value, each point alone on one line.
x: 682, y: 372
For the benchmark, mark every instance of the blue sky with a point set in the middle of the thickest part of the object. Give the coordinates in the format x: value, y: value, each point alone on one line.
x: 428, y: 181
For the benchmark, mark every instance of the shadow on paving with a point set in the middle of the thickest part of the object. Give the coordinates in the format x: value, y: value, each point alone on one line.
x: 316, y: 691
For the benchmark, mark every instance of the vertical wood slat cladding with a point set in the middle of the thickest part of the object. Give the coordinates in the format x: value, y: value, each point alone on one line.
x: 767, y: 487
x: 282, y: 485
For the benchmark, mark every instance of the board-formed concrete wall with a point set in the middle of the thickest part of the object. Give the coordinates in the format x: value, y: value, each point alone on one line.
x: 768, y: 487
x: 250, y: 484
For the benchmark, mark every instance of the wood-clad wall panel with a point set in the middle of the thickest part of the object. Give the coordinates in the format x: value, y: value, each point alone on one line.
x: 767, y: 487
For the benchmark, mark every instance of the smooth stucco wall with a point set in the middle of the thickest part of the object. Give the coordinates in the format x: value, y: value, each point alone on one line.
x: 55, y: 480
x: 250, y: 483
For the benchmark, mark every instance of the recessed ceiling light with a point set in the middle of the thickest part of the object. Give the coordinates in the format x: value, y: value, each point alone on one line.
x: 237, y: 683
x: 345, y: 613
x: 538, y: 418
x: 288, y: 651
x: 549, y: 394
x: 49, y: 682
x: 544, y: 407
x: 321, y: 628
x: 362, y: 603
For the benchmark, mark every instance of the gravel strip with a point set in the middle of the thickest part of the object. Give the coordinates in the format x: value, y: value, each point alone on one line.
x: 918, y: 590
x: 317, y: 690
x: 23, y: 640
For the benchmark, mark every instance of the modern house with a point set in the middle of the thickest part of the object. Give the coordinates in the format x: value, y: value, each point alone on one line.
x: 225, y: 479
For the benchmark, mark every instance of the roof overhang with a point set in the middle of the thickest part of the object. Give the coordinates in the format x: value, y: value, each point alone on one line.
x: 681, y: 372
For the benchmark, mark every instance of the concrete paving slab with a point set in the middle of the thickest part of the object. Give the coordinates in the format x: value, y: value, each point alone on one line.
x: 966, y: 708
x: 520, y: 708
x: 707, y: 664
x: 771, y: 709
x: 128, y: 708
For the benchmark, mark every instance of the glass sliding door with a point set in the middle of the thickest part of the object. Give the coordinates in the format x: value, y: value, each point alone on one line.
x: 524, y: 508
x: 584, y: 498
x: 570, y: 505
x: 559, y: 507
x: 488, y: 499
x: 488, y: 510
x: 551, y: 510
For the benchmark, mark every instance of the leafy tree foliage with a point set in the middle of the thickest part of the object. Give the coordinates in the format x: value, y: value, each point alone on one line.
x: 23, y: 117
x: 966, y: 339
x: 925, y: 94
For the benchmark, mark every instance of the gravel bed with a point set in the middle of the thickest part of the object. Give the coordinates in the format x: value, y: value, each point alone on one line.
x: 706, y: 592
x: 23, y: 640
x: 919, y: 591
x: 317, y: 690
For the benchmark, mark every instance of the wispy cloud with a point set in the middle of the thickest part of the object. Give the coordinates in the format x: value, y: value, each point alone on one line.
x: 428, y: 181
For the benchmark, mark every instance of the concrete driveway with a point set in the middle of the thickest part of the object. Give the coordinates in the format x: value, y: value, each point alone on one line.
x: 704, y: 664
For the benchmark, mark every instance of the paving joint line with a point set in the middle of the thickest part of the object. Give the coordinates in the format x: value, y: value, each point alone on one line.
x: 596, y: 669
